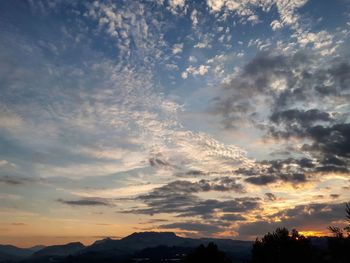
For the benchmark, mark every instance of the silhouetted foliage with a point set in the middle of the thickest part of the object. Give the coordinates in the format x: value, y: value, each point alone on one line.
x: 339, y: 232
x: 282, y: 246
x: 339, y: 244
x: 209, y: 254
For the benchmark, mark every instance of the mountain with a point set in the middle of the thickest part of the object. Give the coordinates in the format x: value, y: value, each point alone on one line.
x: 154, y: 245
x: 9, y: 252
x: 60, y: 250
x: 36, y: 248
x: 136, y: 242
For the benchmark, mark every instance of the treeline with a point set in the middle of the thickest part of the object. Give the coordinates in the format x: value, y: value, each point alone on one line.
x: 284, y: 246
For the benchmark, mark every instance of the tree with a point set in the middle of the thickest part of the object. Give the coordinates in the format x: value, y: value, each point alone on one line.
x: 209, y: 254
x: 340, y: 232
x: 282, y: 246
x: 339, y: 244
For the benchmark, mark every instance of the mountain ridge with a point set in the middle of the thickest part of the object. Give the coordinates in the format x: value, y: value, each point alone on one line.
x: 119, y: 249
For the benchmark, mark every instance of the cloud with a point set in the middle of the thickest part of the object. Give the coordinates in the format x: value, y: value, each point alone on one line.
x: 330, y: 140
x: 200, y: 70
x: 275, y: 25
x: 194, y: 18
x: 247, y: 9
x: 176, y: 5
x: 177, y: 48
x: 284, y: 170
x: 242, y: 95
x: 15, y: 180
x: 290, y: 97
x: 155, y: 162
x: 272, y: 81
x: 9, y: 119
x: 222, y: 184
x: 270, y: 196
x: 86, y: 202
x: 179, y: 198
x: 202, y: 45
x: 319, y: 40
x: 301, y: 117
x: 202, y: 228
x: 10, y: 181
x: 233, y: 217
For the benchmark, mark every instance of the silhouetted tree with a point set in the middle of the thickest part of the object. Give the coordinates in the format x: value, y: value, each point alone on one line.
x: 339, y: 232
x: 209, y: 254
x: 282, y: 247
x: 339, y: 244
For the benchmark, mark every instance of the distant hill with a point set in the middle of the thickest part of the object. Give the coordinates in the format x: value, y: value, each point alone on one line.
x: 132, y: 247
x: 36, y: 248
x: 60, y: 250
x: 9, y: 252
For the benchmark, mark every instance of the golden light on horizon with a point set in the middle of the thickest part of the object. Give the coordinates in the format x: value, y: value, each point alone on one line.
x: 313, y: 233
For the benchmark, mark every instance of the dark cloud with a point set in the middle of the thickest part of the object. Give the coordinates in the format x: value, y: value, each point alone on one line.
x: 156, y: 220
x: 179, y: 198
x: 86, y: 202
x: 286, y: 170
x: 302, y: 117
x: 10, y: 180
x: 328, y: 144
x: 270, y: 196
x: 207, y: 208
x: 340, y: 73
x: 300, y: 94
x: 221, y: 184
x: 190, y: 173
x: 330, y: 140
x: 262, y: 179
x: 15, y: 180
x: 334, y: 196
x: 157, y: 162
x: 291, y: 170
x: 256, y: 80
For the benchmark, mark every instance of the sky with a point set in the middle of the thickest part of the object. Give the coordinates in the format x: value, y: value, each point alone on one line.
x: 217, y: 118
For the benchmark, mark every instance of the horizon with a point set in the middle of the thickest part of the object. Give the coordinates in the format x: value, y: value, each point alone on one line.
x: 119, y: 238
x: 216, y: 118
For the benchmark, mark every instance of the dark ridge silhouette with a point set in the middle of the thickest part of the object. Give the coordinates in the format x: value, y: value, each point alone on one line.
x: 60, y: 250
x: 8, y: 252
x: 137, y: 247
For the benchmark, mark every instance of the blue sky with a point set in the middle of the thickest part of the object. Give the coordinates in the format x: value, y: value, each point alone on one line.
x: 208, y: 118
